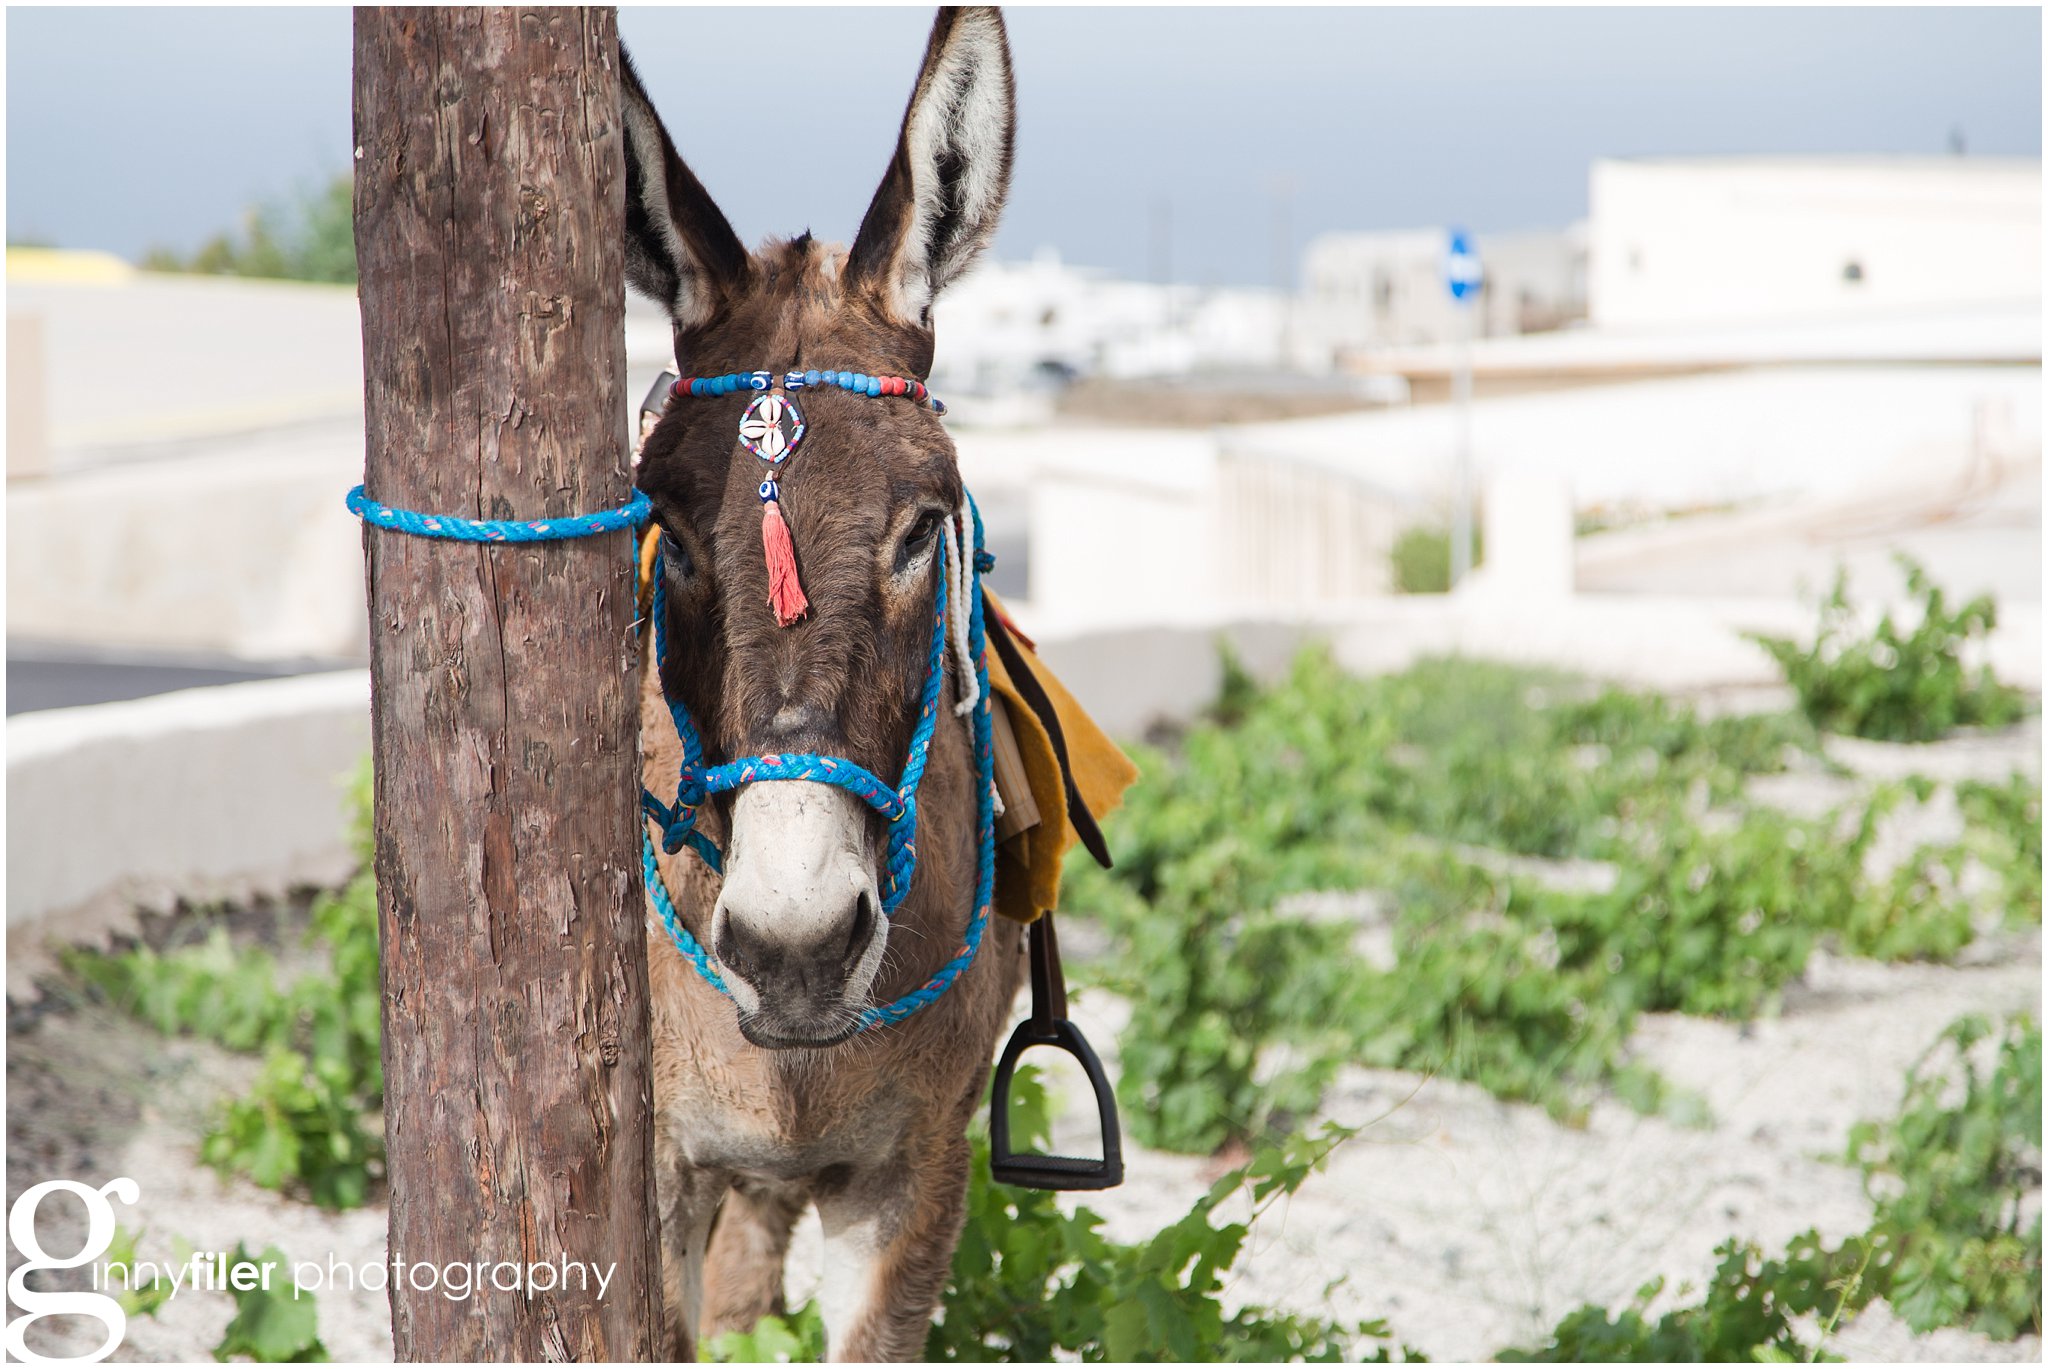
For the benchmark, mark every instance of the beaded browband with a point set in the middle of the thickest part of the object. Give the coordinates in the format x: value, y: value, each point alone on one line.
x: 772, y: 428
x: 851, y: 381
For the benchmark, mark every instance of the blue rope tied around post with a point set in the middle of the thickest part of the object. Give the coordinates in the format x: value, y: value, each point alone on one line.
x: 896, y: 803
x: 377, y: 515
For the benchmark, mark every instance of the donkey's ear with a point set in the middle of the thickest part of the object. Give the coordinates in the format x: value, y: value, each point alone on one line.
x: 937, y: 206
x: 680, y: 251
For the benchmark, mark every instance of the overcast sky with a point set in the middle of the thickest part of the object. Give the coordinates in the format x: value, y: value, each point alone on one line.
x: 133, y: 127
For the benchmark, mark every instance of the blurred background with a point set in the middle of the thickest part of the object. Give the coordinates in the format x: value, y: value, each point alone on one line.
x: 1746, y: 299
x: 1761, y: 277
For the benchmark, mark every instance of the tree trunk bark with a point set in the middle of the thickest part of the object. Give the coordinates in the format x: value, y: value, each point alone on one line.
x: 489, y: 199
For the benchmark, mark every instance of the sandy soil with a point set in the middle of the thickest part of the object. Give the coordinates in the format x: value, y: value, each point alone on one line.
x: 1469, y: 1224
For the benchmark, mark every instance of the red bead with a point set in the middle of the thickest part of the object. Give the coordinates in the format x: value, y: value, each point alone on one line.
x: 896, y: 385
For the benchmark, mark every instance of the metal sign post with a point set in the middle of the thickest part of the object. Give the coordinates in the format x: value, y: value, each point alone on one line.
x: 1463, y: 275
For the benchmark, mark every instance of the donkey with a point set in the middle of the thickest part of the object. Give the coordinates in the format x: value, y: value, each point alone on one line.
x: 773, y: 1100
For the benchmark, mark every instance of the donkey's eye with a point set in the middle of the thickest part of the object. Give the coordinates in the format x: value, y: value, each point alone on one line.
x: 675, y: 560
x: 921, y: 533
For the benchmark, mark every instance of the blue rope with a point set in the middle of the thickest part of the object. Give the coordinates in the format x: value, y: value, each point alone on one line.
x: 636, y: 512
x: 896, y: 803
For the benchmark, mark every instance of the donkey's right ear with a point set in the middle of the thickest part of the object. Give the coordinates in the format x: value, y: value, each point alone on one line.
x: 680, y: 251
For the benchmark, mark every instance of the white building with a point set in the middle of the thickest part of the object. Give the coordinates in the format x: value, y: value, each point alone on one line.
x: 1677, y: 242
x: 1010, y: 324
x: 1367, y: 291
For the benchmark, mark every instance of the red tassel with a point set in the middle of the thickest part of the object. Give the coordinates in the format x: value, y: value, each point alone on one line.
x: 785, y: 593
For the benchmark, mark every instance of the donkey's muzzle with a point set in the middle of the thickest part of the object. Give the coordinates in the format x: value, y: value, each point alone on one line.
x: 798, y: 929
x: 802, y: 987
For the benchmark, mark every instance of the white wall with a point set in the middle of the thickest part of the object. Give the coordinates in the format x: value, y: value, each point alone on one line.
x: 1687, y: 241
x: 202, y: 793
x: 250, y: 555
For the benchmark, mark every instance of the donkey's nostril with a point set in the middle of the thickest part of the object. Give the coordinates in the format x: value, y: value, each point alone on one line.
x: 862, y: 928
x: 741, y: 955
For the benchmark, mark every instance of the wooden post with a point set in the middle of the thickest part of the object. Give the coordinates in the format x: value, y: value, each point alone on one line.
x: 489, y: 198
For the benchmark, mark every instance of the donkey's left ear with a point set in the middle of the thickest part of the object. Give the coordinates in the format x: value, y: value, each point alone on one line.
x: 937, y: 206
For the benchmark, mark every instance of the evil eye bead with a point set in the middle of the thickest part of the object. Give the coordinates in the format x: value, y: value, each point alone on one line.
x: 761, y: 380
x: 767, y: 491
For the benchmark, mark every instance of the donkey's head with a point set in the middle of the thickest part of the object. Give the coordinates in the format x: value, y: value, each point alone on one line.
x: 798, y: 927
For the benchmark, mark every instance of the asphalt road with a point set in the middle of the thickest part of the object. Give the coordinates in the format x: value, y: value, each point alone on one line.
x: 37, y: 682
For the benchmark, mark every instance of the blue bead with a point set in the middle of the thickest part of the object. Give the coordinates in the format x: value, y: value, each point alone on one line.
x: 874, y: 386
x: 727, y: 384
x: 811, y: 378
x: 844, y: 380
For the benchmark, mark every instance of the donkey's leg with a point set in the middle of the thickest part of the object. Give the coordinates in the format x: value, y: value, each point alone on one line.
x: 749, y: 1241
x: 688, y: 1200
x: 889, y: 1238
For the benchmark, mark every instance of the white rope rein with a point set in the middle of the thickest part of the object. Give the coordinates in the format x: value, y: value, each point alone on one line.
x: 958, y: 609
x: 959, y: 533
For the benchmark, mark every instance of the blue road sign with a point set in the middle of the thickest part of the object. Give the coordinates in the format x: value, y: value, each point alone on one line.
x: 1462, y: 271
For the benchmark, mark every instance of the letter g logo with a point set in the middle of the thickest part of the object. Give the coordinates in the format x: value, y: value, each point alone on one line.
x: 99, y: 1235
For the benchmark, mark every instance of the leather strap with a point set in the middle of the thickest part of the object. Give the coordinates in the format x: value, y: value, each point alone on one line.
x: 1027, y: 684
x: 1048, y: 980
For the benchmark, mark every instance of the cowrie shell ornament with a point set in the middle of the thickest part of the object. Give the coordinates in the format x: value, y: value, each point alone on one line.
x: 772, y: 427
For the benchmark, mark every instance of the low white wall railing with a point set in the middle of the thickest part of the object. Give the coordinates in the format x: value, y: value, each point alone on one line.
x: 238, y: 790
x: 219, y: 793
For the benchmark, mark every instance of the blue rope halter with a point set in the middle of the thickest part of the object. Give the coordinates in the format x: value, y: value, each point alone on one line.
x: 896, y: 803
x: 697, y: 781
